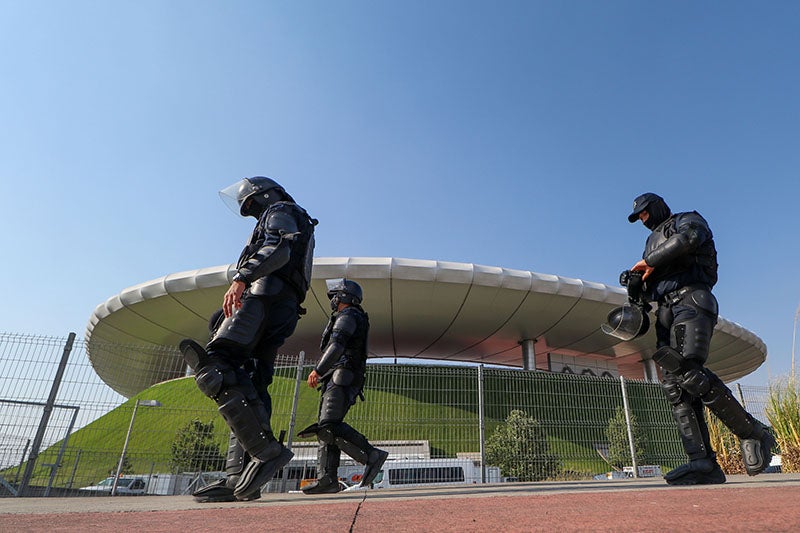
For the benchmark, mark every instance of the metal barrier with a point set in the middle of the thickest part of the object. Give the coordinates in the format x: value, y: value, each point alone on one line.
x: 63, y: 431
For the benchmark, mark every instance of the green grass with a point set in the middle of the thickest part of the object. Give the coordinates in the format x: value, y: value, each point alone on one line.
x: 437, y: 404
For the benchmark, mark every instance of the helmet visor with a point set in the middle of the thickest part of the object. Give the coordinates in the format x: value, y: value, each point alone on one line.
x: 624, y: 322
x: 234, y: 195
x: 334, y: 286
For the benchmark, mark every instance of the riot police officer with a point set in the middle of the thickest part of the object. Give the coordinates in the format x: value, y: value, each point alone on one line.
x: 261, y: 373
x: 678, y: 270
x: 340, y: 372
x: 261, y: 309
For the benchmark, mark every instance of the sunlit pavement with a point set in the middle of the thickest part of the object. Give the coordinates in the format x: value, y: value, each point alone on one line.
x: 101, y: 504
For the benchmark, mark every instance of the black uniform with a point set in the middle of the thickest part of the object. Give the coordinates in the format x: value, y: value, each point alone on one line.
x: 341, y: 369
x: 682, y: 252
x: 275, y: 267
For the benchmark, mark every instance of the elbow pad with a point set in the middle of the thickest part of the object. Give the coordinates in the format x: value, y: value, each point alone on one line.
x: 266, y: 260
x: 674, y: 247
x: 276, y: 251
x: 331, y: 355
x: 343, y: 328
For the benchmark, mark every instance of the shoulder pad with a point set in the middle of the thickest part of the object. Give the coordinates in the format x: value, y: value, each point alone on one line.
x: 279, y: 220
x: 346, y: 322
x: 691, y: 219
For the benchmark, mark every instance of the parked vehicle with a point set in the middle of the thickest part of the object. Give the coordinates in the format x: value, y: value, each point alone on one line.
x: 126, y: 486
x: 398, y: 473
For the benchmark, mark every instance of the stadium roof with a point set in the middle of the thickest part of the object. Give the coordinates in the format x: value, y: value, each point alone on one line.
x: 418, y: 309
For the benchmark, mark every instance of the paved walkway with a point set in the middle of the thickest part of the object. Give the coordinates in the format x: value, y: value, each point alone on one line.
x: 767, y: 502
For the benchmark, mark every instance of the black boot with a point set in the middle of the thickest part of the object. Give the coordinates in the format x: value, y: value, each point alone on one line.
x: 222, y: 490
x: 258, y: 472
x: 374, y: 463
x: 324, y: 485
x: 328, y: 458
x: 219, y: 491
x: 697, y: 472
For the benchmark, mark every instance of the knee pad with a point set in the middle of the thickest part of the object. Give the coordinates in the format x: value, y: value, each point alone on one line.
x: 212, y: 379
x: 695, y: 382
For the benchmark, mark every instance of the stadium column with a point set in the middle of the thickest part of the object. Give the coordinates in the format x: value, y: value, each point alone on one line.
x: 528, y: 354
x: 650, y: 370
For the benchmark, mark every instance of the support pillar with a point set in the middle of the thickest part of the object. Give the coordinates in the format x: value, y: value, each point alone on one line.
x: 528, y: 354
x: 650, y: 370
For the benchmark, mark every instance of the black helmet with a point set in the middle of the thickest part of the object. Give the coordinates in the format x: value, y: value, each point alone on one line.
x: 263, y: 191
x: 344, y: 291
x: 655, y: 205
x: 626, y: 322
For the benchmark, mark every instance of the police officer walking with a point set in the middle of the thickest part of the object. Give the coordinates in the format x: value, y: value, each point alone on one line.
x: 678, y: 270
x: 340, y: 372
x: 261, y: 309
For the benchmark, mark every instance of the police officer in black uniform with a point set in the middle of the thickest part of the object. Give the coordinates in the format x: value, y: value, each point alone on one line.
x: 340, y: 372
x: 678, y: 270
x: 261, y: 373
x: 261, y: 309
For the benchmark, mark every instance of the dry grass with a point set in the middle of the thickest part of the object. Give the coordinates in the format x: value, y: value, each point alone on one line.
x: 725, y: 444
x: 783, y: 412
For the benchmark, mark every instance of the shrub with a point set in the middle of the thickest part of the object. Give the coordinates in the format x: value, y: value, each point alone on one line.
x: 519, y: 447
x: 619, y: 449
x: 194, y: 449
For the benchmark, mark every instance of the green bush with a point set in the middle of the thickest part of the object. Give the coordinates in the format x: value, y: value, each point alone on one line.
x: 619, y: 449
x: 519, y: 447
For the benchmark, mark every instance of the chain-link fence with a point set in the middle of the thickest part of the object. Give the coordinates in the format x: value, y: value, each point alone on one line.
x: 447, y: 423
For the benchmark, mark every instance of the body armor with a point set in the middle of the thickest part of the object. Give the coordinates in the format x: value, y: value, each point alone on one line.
x: 682, y: 253
x: 281, y: 245
x: 341, y: 369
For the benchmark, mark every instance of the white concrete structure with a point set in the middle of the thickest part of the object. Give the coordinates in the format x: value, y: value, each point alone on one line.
x: 417, y: 308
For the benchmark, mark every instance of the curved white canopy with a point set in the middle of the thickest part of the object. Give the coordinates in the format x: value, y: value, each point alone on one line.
x: 418, y: 309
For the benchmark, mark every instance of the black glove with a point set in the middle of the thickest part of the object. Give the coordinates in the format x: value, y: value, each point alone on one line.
x: 632, y: 279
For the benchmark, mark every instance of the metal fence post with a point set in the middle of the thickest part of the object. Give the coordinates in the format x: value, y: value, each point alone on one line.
x: 481, y: 424
x: 293, y: 418
x: 61, y: 450
x: 48, y: 408
x: 629, y: 425
x: 741, y: 396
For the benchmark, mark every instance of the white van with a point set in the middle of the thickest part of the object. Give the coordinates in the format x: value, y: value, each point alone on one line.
x: 397, y: 473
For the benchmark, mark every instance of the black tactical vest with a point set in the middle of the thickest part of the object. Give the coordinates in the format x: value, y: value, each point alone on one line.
x: 696, y: 267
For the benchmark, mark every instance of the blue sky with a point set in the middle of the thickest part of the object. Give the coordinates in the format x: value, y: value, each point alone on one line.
x: 511, y: 134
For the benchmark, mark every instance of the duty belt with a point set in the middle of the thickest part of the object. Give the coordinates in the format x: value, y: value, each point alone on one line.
x: 671, y: 298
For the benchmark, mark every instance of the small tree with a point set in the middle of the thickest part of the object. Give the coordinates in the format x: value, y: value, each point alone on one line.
x: 619, y: 449
x: 127, y: 468
x: 519, y: 447
x: 194, y: 449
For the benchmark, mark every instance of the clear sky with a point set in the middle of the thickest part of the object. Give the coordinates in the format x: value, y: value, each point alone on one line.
x: 512, y: 134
